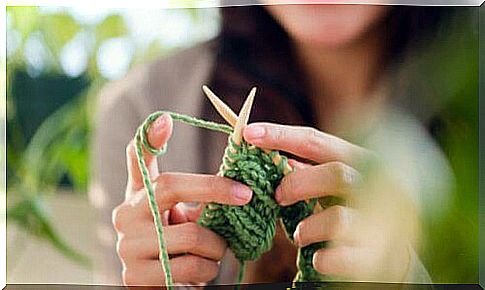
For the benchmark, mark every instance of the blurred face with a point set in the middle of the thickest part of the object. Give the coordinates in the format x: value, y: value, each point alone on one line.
x: 330, y: 26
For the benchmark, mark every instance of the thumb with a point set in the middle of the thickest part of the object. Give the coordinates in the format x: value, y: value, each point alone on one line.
x: 158, y: 134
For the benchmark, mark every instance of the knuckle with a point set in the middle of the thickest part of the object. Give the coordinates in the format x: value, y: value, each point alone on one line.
x: 119, y: 217
x: 163, y: 181
x: 336, y: 167
x: 164, y: 185
x: 122, y: 248
x: 214, y: 184
x: 338, y: 213
x: 343, y: 173
x: 310, y: 132
x: 278, y: 134
x: 312, y: 137
x: 338, y: 220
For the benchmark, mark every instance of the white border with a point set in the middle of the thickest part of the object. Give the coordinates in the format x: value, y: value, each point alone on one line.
x: 3, y: 159
x: 219, y: 3
x: 137, y: 4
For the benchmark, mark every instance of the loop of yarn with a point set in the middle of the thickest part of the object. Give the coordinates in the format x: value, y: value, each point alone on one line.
x: 249, y: 230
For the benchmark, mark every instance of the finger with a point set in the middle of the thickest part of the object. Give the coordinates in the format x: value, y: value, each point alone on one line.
x: 304, y: 142
x: 128, y: 213
x: 332, y: 178
x: 331, y: 224
x: 172, y: 188
x: 185, y: 269
x: 342, y: 261
x: 158, y: 135
x: 180, y: 239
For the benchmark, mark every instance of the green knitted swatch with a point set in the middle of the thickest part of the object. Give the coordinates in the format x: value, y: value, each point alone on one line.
x: 249, y: 230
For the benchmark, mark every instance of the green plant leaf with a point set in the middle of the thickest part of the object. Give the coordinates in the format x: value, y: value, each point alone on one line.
x: 57, y: 148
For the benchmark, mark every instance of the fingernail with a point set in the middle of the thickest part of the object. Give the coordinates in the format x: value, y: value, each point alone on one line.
x: 296, y: 236
x: 190, y: 204
x: 253, y: 132
x: 242, y: 192
x: 161, y: 122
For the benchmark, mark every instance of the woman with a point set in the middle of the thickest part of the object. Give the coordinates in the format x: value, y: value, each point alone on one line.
x: 321, y: 69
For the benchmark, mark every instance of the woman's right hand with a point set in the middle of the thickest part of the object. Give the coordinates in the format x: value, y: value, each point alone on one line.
x: 194, y: 251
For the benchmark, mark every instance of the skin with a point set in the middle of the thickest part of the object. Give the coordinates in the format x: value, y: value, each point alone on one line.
x: 369, y: 242
x: 194, y: 250
x: 340, y: 48
x: 327, y: 26
x: 366, y: 242
x: 361, y: 242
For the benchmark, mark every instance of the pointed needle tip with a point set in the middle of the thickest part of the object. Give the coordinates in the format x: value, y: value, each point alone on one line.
x: 223, y: 110
x: 206, y: 90
x: 243, y: 117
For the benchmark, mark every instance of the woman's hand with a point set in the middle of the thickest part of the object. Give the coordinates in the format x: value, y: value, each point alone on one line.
x: 367, y: 242
x: 194, y: 250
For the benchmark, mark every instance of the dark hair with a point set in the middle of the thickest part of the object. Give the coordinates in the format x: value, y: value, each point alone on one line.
x: 253, y: 49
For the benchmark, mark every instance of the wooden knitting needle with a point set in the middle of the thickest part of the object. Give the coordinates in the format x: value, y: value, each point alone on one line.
x: 231, y: 118
x: 221, y: 107
x: 243, y: 118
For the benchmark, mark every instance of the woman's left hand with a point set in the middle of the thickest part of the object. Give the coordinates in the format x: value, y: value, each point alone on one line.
x: 367, y: 241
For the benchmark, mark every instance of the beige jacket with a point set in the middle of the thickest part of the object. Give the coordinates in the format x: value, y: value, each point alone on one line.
x: 173, y: 84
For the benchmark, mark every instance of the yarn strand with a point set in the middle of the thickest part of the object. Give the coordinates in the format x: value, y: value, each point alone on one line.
x: 240, y: 275
x: 141, y: 142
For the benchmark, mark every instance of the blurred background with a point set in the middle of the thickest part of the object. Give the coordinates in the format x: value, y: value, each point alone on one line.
x: 59, y: 58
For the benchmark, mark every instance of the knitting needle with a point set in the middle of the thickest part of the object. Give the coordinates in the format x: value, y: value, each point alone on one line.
x: 231, y: 118
x: 243, y: 117
x: 223, y: 109
x: 277, y: 158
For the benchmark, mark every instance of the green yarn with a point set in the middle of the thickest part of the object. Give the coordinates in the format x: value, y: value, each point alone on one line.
x: 290, y: 217
x: 249, y: 230
x: 141, y: 142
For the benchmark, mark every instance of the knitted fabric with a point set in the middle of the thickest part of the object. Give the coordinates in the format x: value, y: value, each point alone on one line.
x: 249, y: 229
